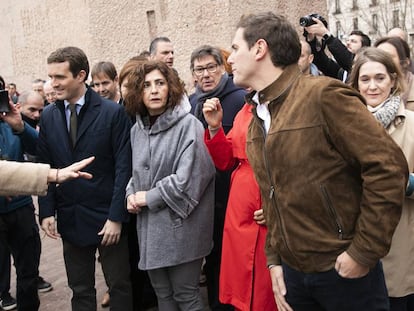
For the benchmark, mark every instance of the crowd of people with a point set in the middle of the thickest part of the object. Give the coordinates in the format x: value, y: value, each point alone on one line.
x: 285, y: 179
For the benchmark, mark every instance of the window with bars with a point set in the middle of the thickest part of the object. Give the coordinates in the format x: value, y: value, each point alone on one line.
x: 396, y: 18
x: 338, y: 28
x: 354, y: 4
x: 337, y: 6
x: 355, y: 23
x: 375, y: 22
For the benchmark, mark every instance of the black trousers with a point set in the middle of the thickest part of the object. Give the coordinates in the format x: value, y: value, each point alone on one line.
x: 142, y: 291
x: 213, y: 260
x: 328, y: 291
x: 5, y: 263
x: 405, y: 303
x: 20, y: 233
x: 80, y: 271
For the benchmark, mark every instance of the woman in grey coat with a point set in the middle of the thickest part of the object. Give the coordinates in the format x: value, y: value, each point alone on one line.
x: 172, y: 187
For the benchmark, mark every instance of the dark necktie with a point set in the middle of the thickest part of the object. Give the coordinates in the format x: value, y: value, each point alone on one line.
x: 73, y: 124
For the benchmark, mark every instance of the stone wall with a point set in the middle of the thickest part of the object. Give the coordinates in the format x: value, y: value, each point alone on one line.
x: 117, y: 30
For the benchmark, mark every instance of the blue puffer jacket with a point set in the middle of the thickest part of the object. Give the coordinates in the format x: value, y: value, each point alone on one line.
x: 12, y: 147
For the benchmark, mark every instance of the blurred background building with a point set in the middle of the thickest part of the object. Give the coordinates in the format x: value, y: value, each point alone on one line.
x: 112, y: 30
x: 373, y: 17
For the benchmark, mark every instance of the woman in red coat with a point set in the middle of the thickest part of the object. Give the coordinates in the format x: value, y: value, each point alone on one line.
x: 244, y: 278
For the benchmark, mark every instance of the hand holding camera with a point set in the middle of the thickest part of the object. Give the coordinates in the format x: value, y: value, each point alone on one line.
x: 314, y: 26
x: 9, y: 113
x: 4, y: 101
x: 311, y: 19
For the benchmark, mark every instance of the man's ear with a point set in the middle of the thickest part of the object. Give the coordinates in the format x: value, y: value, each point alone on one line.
x: 311, y: 57
x: 18, y: 106
x: 82, y: 75
x: 261, y: 48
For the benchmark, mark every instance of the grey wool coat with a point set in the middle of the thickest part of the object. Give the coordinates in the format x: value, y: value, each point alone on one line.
x: 171, y: 162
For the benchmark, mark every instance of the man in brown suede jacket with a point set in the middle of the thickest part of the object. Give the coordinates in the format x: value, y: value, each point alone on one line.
x: 331, y: 179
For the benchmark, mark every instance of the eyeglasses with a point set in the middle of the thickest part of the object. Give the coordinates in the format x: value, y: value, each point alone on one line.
x: 211, y: 68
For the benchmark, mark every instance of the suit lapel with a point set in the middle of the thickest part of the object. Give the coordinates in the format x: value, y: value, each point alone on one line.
x: 90, y: 113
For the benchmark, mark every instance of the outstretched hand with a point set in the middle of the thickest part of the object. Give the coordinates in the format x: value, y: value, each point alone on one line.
x: 71, y: 172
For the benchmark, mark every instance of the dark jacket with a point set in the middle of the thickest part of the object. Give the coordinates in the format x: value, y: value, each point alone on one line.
x: 329, y: 67
x: 83, y: 206
x: 331, y: 178
x: 12, y: 147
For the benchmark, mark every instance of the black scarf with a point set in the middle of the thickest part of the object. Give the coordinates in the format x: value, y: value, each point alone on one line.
x: 201, y: 96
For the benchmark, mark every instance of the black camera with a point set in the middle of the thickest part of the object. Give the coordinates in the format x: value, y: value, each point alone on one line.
x: 307, y: 20
x: 4, y: 101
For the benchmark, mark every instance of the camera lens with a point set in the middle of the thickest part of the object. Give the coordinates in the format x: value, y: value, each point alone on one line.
x: 306, y: 21
x: 302, y: 22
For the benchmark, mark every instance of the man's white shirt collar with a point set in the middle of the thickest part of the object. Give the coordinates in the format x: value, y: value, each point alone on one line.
x: 262, y: 112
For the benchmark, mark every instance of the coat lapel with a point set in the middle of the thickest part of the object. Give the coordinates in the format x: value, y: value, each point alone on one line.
x: 89, y: 115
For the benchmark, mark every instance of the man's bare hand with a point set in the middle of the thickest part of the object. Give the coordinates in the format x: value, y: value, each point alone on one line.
x: 348, y: 268
x: 49, y: 227
x: 279, y: 288
x: 70, y: 172
x: 13, y: 118
x: 111, y: 232
x: 213, y: 112
x: 318, y: 29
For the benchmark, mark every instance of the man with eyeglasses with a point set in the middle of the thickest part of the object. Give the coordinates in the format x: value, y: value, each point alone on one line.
x: 212, y: 81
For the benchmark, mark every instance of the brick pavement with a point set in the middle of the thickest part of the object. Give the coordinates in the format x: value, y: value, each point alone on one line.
x: 52, y: 269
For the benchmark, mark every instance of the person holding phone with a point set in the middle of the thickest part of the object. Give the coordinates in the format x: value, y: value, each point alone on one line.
x: 4, y: 97
x: 18, y: 228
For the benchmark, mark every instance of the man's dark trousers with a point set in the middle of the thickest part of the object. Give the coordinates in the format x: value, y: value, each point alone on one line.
x: 19, y: 231
x: 328, y: 291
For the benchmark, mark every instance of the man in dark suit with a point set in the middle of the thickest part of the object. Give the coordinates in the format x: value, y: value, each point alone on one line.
x: 90, y: 213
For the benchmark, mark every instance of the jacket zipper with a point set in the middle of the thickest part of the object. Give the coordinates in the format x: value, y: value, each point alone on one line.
x: 273, y: 193
x: 332, y: 211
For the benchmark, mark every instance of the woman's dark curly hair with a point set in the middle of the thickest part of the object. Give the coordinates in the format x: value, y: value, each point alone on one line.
x: 134, y: 103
